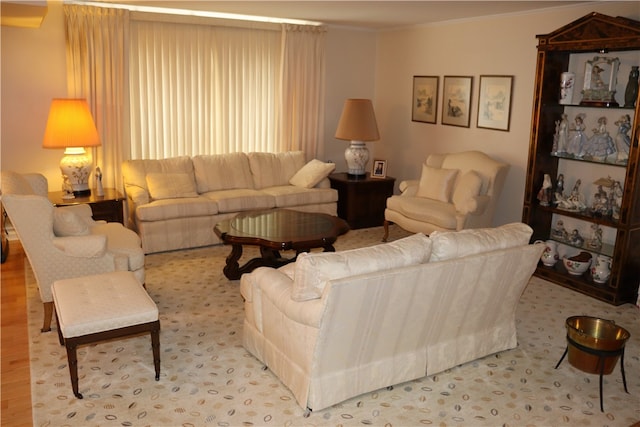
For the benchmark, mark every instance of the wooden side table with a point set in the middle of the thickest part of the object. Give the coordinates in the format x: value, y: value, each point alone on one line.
x: 362, y: 201
x: 109, y: 207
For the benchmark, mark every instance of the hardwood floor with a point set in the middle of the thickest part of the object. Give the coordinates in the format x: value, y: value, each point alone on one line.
x: 16, y: 378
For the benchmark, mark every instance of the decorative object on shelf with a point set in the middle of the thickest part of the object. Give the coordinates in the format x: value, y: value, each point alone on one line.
x: 70, y: 126
x: 631, y: 91
x: 578, y: 141
x: 601, y: 269
x: 456, y: 101
x: 559, y: 232
x: 574, y: 201
x: 550, y: 255
x: 602, y: 202
x: 577, y: 264
x: 600, y: 78
x: 99, y: 188
x: 545, y: 193
x: 623, y: 142
x: 595, y: 240
x: 561, y: 137
x: 616, y: 199
x: 425, y: 99
x: 357, y: 124
x: 600, y: 145
x: 576, y: 238
x: 567, y: 82
x: 494, y: 102
x: 558, y: 193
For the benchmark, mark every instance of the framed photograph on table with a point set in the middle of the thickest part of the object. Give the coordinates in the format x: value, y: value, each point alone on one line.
x: 456, y: 100
x: 425, y: 99
x: 494, y: 102
x: 379, y: 169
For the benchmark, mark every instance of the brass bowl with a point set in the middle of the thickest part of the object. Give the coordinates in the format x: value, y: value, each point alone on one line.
x: 598, y: 335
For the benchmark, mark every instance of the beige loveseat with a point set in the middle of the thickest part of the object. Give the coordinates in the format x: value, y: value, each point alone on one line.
x: 175, y: 203
x: 455, y: 191
x: 335, y: 325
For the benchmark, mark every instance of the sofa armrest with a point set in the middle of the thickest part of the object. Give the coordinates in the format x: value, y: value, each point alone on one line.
x: 409, y: 187
x: 91, y: 246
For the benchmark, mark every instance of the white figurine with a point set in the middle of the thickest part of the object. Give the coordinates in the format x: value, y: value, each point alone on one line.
x: 99, y: 189
x: 622, y: 139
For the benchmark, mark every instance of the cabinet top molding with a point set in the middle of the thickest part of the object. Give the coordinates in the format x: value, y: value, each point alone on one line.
x: 593, y: 32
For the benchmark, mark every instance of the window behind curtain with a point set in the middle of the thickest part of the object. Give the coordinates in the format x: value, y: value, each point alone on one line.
x: 199, y: 89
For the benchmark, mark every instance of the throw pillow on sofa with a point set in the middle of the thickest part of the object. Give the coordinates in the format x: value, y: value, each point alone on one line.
x: 170, y: 185
x: 436, y: 183
x: 456, y: 244
x: 313, y: 270
x: 312, y: 173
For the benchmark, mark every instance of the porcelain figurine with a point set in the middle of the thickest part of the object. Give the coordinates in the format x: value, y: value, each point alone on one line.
x: 595, y: 241
x: 600, y: 145
x: 559, y: 232
x: 561, y: 138
x: 623, y: 142
x: 544, y: 195
x: 577, y: 143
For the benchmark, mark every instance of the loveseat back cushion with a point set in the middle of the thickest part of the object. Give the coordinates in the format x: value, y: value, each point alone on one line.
x: 457, y: 244
x: 273, y: 169
x: 436, y: 183
x: 468, y: 187
x: 135, y: 174
x: 222, y: 172
x: 477, y: 161
x: 171, y: 185
x: 313, y: 270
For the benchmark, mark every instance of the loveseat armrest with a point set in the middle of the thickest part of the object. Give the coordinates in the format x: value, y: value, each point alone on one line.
x: 91, y: 246
x: 409, y: 187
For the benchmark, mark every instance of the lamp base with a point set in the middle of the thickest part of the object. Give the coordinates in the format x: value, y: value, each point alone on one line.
x: 76, y: 167
x: 357, y: 156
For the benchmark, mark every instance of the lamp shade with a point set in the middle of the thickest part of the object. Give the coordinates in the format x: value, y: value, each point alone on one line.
x: 70, y: 124
x: 358, y: 121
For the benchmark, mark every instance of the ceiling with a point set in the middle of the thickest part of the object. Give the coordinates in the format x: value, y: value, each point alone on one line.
x: 373, y: 15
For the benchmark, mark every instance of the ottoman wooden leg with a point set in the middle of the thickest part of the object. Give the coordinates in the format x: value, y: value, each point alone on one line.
x: 73, y: 366
x: 155, y: 346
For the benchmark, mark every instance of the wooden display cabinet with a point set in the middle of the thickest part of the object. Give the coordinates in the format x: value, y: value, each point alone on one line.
x: 567, y: 50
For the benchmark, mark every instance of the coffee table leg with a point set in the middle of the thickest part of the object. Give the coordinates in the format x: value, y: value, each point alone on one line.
x: 232, y: 269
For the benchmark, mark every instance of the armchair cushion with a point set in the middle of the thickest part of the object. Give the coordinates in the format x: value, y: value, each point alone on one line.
x: 436, y: 183
x: 94, y: 246
x: 171, y: 185
x: 67, y: 223
x: 456, y: 244
x: 312, y: 173
x: 467, y: 188
x: 313, y: 270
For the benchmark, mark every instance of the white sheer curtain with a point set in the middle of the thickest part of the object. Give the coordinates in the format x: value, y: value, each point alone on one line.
x: 303, y: 87
x: 97, y: 70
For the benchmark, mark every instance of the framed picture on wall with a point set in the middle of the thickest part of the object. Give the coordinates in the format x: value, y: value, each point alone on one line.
x: 425, y: 99
x: 494, y: 102
x: 379, y: 169
x: 456, y: 100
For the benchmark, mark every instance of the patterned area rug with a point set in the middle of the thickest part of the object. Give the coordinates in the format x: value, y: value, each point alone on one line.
x: 209, y: 379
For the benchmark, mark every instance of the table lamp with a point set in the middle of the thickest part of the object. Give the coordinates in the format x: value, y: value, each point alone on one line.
x: 357, y: 124
x: 70, y: 126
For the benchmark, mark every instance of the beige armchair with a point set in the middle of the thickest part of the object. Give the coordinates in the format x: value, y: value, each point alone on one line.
x: 65, y: 242
x: 455, y: 191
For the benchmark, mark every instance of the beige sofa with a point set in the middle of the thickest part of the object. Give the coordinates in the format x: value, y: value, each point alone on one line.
x: 332, y: 326
x: 175, y: 203
x: 455, y: 191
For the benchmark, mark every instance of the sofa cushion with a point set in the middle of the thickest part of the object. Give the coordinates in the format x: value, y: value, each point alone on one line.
x: 436, y: 183
x: 240, y: 200
x: 312, y: 173
x: 222, y: 172
x: 160, y: 210
x: 68, y: 223
x: 313, y: 270
x: 456, y: 244
x: 421, y: 209
x: 273, y: 169
x: 135, y: 173
x: 171, y: 185
x: 467, y: 187
x: 291, y: 195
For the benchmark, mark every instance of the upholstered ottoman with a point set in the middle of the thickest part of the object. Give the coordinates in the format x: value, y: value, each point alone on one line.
x: 101, y: 307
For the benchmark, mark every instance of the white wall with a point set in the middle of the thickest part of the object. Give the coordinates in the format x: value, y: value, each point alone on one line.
x: 504, y: 45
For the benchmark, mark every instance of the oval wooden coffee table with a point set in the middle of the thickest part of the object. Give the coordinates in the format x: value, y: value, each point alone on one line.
x: 274, y: 231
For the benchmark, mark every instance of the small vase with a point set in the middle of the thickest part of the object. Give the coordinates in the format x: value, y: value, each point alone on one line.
x: 550, y: 255
x: 631, y: 92
x: 601, y: 270
x: 567, y: 81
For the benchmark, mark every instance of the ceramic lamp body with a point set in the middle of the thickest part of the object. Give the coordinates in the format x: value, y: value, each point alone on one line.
x: 357, y: 156
x: 76, y: 167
